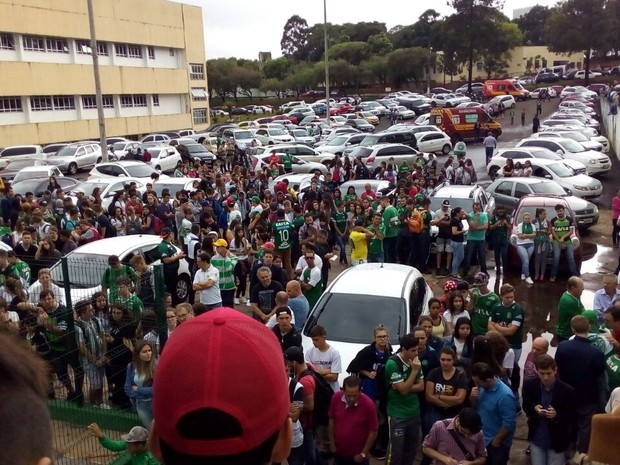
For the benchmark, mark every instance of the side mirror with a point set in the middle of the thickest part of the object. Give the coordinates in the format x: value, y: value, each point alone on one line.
x: 548, y: 176
x: 568, y: 191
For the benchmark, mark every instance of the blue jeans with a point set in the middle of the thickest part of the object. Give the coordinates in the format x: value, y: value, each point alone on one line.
x: 541, y: 252
x: 341, y: 247
x: 376, y: 257
x: 570, y: 258
x: 144, y: 407
x: 309, y: 446
x: 389, y: 247
x: 479, y: 248
x: 525, y: 252
x: 296, y: 457
x: 458, y: 253
x: 501, y: 254
x: 540, y: 456
x: 498, y: 455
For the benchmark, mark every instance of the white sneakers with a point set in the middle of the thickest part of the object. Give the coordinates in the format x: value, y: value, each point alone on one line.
x: 529, y: 280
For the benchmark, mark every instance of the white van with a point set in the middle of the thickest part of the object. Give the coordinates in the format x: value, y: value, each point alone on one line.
x: 21, y: 152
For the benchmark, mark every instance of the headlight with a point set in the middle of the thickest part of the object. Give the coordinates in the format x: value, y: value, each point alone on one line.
x: 592, y: 161
x: 595, y: 210
x: 580, y: 188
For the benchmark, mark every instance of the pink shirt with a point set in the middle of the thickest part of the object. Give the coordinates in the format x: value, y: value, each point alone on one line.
x: 352, y: 425
x: 615, y: 207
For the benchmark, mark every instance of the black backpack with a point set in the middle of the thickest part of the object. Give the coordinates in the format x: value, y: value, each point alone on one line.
x: 323, y: 394
x: 383, y: 384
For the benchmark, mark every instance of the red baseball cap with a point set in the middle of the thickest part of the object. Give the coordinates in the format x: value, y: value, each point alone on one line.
x: 215, y: 377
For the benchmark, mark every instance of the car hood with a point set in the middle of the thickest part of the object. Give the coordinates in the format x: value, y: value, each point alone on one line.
x: 584, y: 180
x: 592, y: 145
x: 577, y: 204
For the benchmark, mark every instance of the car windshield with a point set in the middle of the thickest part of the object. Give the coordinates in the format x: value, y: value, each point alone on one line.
x: 339, y: 140
x: 90, y: 186
x: 139, y: 171
x: 243, y: 135
x: 97, y: 264
x: 155, y: 152
x: 370, y: 140
x: 466, y: 204
x: 350, y: 317
x: 561, y: 170
x: 338, y: 118
x: 277, y: 132
x: 195, y: 148
x: 119, y: 145
x: 65, y: 152
x: 27, y: 185
x: 531, y: 209
x: 577, y: 137
x: 571, y: 146
x: 300, y: 133
x: 547, y: 155
x: 30, y: 174
x: 548, y: 187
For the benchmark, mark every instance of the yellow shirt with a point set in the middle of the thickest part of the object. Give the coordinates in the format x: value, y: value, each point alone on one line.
x: 359, y: 245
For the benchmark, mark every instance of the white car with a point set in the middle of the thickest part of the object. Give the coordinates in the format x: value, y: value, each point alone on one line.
x: 301, y: 136
x: 155, y: 139
x: 493, y: 105
x: 219, y: 112
x: 302, y: 151
x: 579, y: 90
x: 122, y: 149
x: 373, y: 155
x: 87, y: 263
x: 423, y: 120
x: 590, y: 133
x: 337, y: 120
x: 39, y: 171
x: 448, y: 100
x: 578, y: 105
x: 272, y: 135
x: 351, y: 308
x: 374, y: 107
x: 596, y: 162
x: 434, y: 142
x: 75, y: 157
x: 339, y: 144
x: 404, y: 112
x: 469, y: 105
x: 248, y: 125
x: 127, y: 169
x: 581, y: 74
x: 108, y: 188
x: 299, y: 166
x: 164, y: 158
x: 496, y: 164
x: 550, y: 90
x: 574, y: 135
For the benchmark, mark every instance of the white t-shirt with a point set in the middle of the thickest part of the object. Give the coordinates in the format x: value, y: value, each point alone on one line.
x: 212, y: 294
x: 452, y: 319
x: 315, y: 275
x: 273, y: 321
x: 13, y: 317
x: 328, y: 360
x: 318, y: 261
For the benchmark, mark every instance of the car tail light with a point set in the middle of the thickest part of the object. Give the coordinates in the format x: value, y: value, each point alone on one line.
x: 370, y: 160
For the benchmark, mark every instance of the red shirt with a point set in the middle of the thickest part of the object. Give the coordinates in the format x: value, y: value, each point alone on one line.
x: 365, y: 194
x: 306, y: 418
x: 352, y: 424
x: 274, y: 159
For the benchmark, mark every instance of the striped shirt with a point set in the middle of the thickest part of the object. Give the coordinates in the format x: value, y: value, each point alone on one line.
x: 226, y: 267
x: 440, y: 439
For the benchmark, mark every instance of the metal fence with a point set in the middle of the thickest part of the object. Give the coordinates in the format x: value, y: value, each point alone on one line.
x: 91, y: 389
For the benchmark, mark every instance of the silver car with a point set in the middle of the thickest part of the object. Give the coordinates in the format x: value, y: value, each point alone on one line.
x: 75, y: 157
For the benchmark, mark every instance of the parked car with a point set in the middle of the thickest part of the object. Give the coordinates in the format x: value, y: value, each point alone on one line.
x: 462, y: 196
x: 536, y: 93
x: 123, y: 148
x: 40, y: 171
x: 360, y: 124
x: 469, y: 105
x: 351, y: 311
x: 301, y: 136
x: 377, y: 185
x: 372, y: 156
x: 596, y: 162
x: 529, y: 204
x: 370, y: 117
x: 581, y: 74
x: 155, y: 139
x: 546, y: 77
x: 497, y: 162
x: 299, y: 166
x: 448, y: 100
x: 51, y: 149
x: 164, y: 158
x: 508, y: 191
x: 302, y: 151
x: 590, y: 133
x: 21, y: 153
x: 272, y: 135
x: 241, y: 138
x: 434, y: 141
x: 76, y: 157
x: 128, y: 169
x: 87, y: 263
x: 403, y: 112
x: 108, y: 187
x: 38, y: 186
x: 239, y: 111
x: 339, y: 144
x: 492, y: 106
x: 376, y: 108
x: 576, y: 136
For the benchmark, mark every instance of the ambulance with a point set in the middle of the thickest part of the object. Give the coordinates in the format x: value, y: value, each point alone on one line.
x: 460, y: 123
x: 495, y: 87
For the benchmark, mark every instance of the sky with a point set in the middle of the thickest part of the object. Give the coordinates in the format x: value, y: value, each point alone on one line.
x: 242, y: 28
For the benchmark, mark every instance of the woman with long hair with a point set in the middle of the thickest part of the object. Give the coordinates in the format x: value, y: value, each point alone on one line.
x: 119, y: 337
x: 101, y: 306
x: 440, y: 327
x: 455, y: 310
x: 542, y: 243
x: 351, y: 195
x: 139, y: 381
x: 19, y: 298
x: 97, y: 196
x: 53, y: 185
x: 46, y: 255
x: 119, y: 222
x: 425, y: 322
x: 462, y: 342
x: 445, y: 388
x: 240, y: 248
x: 526, y: 233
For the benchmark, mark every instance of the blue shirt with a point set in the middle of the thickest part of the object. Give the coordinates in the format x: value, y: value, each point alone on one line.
x: 602, y: 301
x: 497, y: 407
x: 541, y: 436
x: 300, y: 308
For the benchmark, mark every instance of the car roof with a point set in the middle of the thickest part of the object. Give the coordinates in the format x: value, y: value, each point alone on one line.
x: 357, y: 279
x: 546, y: 200
x: 525, y: 180
x: 38, y: 168
x: 383, y: 146
x: 120, y: 245
x: 456, y: 191
x: 123, y: 162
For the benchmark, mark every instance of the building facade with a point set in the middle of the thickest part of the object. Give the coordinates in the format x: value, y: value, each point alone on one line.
x: 151, y: 59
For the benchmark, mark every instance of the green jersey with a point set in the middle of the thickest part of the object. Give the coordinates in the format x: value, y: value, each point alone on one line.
x: 500, y: 233
x: 60, y: 319
x: 562, y: 226
x: 23, y: 271
x: 613, y: 372
x: 403, y: 170
x: 226, y: 267
x: 312, y: 276
x: 283, y: 234
x: 505, y: 316
x: 568, y: 307
x: 375, y: 245
x: 165, y: 249
x: 108, y: 280
x: 390, y: 221
x: 482, y: 310
x: 287, y: 161
x: 350, y: 197
x: 340, y: 220
x: 143, y: 458
x: 460, y: 149
x: 131, y: 303
x: 398, y: 405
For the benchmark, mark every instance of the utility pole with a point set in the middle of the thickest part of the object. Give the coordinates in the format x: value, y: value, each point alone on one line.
x: 98, y: 96
x: 326, y: 60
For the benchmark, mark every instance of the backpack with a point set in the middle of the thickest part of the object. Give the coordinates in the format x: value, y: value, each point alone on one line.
x: 133, y: 227
x: 416, y: 221
x: 146, y: 156
x: 383, y: 384
x: 157, y: 224
x: 323, y: 394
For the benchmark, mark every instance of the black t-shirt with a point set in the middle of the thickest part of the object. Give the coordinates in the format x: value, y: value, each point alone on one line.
x: 265, y: 297
x: 459, y: 227
x: 447, y: 387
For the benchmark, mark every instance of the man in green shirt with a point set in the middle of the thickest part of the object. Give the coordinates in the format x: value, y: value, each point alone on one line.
x: 310, y: 279
x: 283, y: 238
x: 226, y: 266
x: 128, y: 299
x: 562, y: 230
x: 170, y: 258
x: 389, y: 216
x: 287, y: 161
x: 375, y: 243
x: 484, y: 300
x: 111, y: 274
x: 134, y: 442
x: 339, y: 222
x: 476, y: 238
x: 569, y: 306
x: 507, y: 319
x: 403, y: 374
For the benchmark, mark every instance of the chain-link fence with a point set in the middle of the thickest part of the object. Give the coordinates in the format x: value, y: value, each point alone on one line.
x: 86, y: 324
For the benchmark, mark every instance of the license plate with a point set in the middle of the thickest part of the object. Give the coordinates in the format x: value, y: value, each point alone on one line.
x: 588, y: 220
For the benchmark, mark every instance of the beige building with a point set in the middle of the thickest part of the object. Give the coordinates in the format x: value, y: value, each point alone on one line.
x: 152, y: 65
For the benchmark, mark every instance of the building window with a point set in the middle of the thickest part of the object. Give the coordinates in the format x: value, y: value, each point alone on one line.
x: 83, y: 47
x: 134, y: 51
x: 200, y: 115
x: 536, y: 63
x: 34, y: 44
x: 199, y: 93
x: 63, y: 102
x: 197, y: 71
x: 89, y: 102
x: 126, y: 101
x: 171, y: 52
x: 108, y: 101
x: 155, y: 100
x: 41, y: 103
x: 120, y: 50
x: 57, y: 45
x: 10, y: 104
x: 139, y: 100
x: 102, y: 49
x: 7, y: 42
x: 151, y: 51
x: 544, y: 62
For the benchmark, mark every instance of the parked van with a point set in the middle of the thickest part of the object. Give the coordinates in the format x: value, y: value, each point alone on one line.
x: 459, y: 123
x: 402, y: 136
x: 560, y: 70
x: 20, y: 153
x: 494, y: 87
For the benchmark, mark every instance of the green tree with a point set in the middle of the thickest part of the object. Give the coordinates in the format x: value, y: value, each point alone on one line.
x: 406, y: 64
x: 314, y: 50
x: 220, y: 73
x: 360, y: 32
x: 380, y: 44
x: 375, y: 69
x: 294, y: 37
x: 246, y: 79
x: 533, y: 24
x: 341, y: 72
x: 272, y: 85
x: 277, y: 69
x: 502, y: 37
x: 303, y: 76
x: 579, y: 25
x: 352, y: 52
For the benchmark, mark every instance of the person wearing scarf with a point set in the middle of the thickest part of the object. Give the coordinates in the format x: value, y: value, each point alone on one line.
x: 525, y: 246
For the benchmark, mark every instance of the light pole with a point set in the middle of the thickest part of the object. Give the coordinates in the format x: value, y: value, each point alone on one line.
x: 326, y: 61
x: 98, y: 96
x: 428, y: 80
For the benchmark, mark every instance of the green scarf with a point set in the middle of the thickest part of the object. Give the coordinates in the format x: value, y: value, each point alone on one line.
x: 527, y: 228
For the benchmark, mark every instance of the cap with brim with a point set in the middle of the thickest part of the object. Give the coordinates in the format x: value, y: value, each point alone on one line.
x: 165, y: 232
x: 136, y: 434
x: 268, y: 246
x: 294, y: 354
x: 446, y: 203
x: 255, y: 198
x: 220, y: 243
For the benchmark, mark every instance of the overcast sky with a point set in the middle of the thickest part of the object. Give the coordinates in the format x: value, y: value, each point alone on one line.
x: 242, y: 28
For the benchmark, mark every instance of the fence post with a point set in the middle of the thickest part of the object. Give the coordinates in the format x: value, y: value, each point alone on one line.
x: 160, y: 305
x: 64, y: 266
